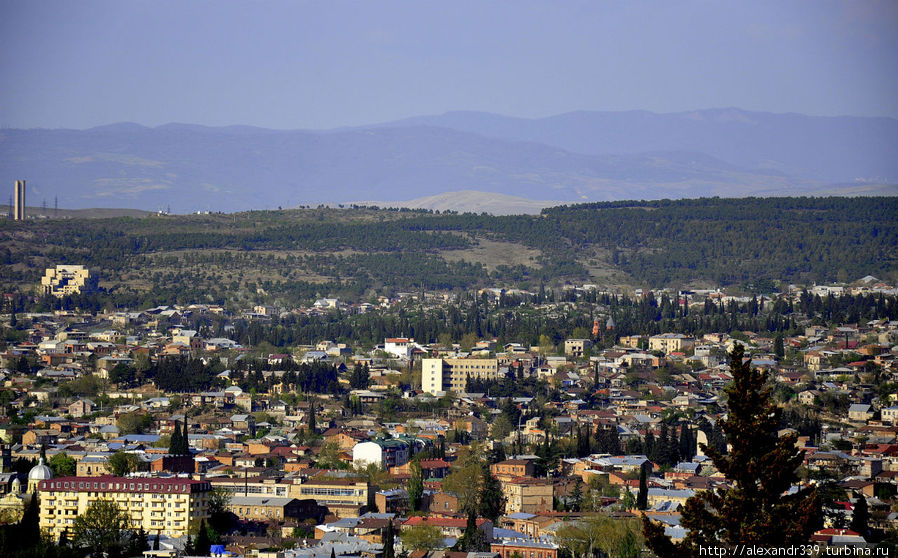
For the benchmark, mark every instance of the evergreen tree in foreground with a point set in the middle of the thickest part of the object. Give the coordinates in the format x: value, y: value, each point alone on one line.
x: 416, y: 486
x: 642, y: 499
x: 203, y: 545
x: 389, y: 537
x: 761, y: 467
x: 860, y: 517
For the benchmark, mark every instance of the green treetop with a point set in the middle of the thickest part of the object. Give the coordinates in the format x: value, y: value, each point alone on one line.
x: 760, y: 467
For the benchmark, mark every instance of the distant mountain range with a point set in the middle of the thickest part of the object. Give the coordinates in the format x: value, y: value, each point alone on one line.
x: 573, y: 157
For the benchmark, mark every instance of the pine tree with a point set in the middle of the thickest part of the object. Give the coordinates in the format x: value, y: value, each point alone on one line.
x: 778, y: 349
x: 612, y: 441
x: 388, y: 541
x: 185, y: 440
x: 686, y: 443
x: 860, y: 517
x: 649, y: 445
x: 642, y: 499
x: 576, y: 498
x: 662, y: 447
x: 492, y: 499
x: 761, y: 468
x: 472, y: 539
x: 415, y: 486
x: 174, y: 445
x: 203, y: 544
x: 672, y: 451
x: 312, y: 424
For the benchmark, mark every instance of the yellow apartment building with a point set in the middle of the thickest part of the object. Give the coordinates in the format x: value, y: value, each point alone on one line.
x: 169, y: 506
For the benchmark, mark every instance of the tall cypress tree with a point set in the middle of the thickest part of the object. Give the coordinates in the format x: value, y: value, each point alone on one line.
x: 388, y: 541
x: 185, y: 441
x: 492, y: 499
x: 686, y: 452
x: 860, y: 517
x: 174, y: 445
x: 612, y: 441
x: 415, y: 486
x: 662, y: 447
x: 203, y: 545
x: 642, y: 499
x: 761, y: 468
x: 649, y: 445
x: 312, y: 424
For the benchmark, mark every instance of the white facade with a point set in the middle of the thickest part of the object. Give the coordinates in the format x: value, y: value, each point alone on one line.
x: 383, y: 453
x: 399, y: 347
x: 432, y: 375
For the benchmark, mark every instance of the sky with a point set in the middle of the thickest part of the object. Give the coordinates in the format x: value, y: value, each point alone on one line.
x: 333, y: 63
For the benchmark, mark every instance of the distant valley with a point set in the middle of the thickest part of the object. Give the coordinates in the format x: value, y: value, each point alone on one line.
x: 499, y: 164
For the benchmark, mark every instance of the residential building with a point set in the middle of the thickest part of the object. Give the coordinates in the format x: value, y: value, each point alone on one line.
x: 384, y: 453
x: 528, y: 548
x: 671, y: 343
x: 576, y: 347
x: 168, y: 506
x: 343, y: 497
x: 399, y: 347
x: 512, y: 468
x: 451, y: 374
x: 529, y: 495
x: 264, y: 508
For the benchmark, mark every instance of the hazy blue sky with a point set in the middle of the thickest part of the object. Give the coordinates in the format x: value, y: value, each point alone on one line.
x: 330, y: 63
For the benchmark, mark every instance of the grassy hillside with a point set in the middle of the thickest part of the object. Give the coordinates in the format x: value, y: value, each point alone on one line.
x: 293, y: 256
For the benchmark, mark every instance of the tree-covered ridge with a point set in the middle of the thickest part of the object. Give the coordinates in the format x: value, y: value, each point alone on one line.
x: 297, y: 255
x: 792, y: 239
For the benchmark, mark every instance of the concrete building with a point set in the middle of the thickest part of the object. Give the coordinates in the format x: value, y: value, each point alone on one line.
x: 19, y: 203
x: 451, y: 374
x: 344, y: 497
x: 169, y: 506
x: 576, y: 347
x: 383, y: 453
x: 399, y: 347
x: 67, y: 280
x: 264, y: 508
x: 671, y: 343
x: 528, y: 495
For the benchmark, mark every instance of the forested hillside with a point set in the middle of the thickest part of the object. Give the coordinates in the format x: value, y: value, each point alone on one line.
x: 294, y: 256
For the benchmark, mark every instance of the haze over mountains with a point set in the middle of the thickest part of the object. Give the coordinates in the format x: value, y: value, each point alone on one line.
x: 573, y: 157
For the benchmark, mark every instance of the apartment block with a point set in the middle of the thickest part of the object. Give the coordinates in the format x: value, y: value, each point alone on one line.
x: 671, y: 343
x: 169, y: 506
x: 451, y: 374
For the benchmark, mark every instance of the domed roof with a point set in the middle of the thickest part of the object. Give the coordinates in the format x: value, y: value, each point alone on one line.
x: 40, y: 472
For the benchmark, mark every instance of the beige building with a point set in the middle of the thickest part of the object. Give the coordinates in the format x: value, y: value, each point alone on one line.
x: 67, y: 280
x: 342, y: 497
x: 527, y: 495
x: 451, y: 374
x: 576, y: 347
x: 671, y: 343
x: 169, y: 506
